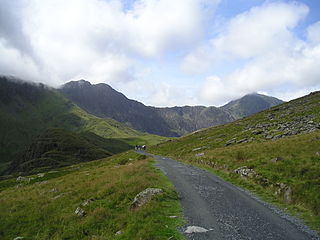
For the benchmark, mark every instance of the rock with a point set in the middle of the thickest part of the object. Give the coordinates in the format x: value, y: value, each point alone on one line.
x: 119, y: 232
x: 86, y: 202
x: 231, y: 141
x: 245, y: 172
x: 80, y: 212
x: 196, y: 149
x: 172, y: 217
x: 199, y: 154
x: 145, y: 196
x: 317, y: 153
x: 22, y: 179
x: 257, y: 132
x: 196, y: 229
x: 269, y: 137
x: 18, y: 238
x: 40, y: 175
x: 244, y: 140
x: 287, y: 195
x: 276, y: 159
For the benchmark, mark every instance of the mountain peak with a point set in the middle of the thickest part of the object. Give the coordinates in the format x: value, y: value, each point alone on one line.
x: 76, y: 84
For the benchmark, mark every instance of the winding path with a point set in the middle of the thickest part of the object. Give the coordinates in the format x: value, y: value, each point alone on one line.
x: 226, y: 211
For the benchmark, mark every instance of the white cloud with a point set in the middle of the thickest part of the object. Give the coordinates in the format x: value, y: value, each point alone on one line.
x: 98, y: 39
x: 272, y: 58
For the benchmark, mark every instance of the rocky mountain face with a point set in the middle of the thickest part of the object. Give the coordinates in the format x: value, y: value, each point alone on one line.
x: 189, y: 119
x: 103, y: 101
x: 250, y: 104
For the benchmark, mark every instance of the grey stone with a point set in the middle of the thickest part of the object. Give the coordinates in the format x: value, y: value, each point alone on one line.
x: 23, y: 179
x: 196, y: 149
x: 80, y: 212
x: 196, y: 229
x: 287, y: 195
x: 18, y: 238
x: 145, y: 196
x: 231, y: 141
x: 199, y: 154
x: 245, y: 172
x: 244, y: 140
x: 276, y: 159
x: 119, y: 232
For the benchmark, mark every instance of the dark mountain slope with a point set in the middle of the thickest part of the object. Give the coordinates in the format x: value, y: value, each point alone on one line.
x: 250, y: 104
x: 103, y: 101
x: 57, y: 148
x: 28, y: 110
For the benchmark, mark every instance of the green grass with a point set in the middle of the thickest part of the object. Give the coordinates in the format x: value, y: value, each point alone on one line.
x: 46, y: 211
x: 299, y: 167
x: 24, y: 117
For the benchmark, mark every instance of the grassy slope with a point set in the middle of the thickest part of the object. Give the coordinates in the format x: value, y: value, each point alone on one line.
x: 299, y: 169
x: 22, y: 120
x: 46, y: 210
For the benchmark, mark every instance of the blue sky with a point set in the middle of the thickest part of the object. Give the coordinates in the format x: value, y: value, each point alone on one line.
x: 164, y: 52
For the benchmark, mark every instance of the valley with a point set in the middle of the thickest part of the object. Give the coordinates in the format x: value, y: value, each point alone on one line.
x: 68, y: 166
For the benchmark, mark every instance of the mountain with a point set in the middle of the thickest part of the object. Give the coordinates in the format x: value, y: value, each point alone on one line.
x: 103, y: 101
x: 274, y: 153
x: 184, y: 120
x: 28, y: 110
x: 250, y: 104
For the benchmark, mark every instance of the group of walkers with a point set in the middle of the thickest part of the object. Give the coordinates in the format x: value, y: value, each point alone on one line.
x: 139, y: 147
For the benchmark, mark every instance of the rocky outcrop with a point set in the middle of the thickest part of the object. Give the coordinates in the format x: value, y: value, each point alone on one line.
x: 245, y: 172
x: 145, y: 196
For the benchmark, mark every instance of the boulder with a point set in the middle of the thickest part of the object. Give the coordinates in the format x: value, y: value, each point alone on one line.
x: 245, y: 172
x: 145, y: 196
x: 80, y: 212
x: 276, y: 159
x: 231, y: 141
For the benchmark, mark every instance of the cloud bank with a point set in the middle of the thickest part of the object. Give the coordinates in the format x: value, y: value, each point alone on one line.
x: 142, y: 47
x: 269, y: 55
x: 94, y: 39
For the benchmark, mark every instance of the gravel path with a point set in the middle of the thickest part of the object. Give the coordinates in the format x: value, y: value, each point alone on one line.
x: 223, y: 211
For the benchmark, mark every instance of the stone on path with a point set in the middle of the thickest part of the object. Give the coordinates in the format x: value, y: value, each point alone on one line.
x: 196, y: 229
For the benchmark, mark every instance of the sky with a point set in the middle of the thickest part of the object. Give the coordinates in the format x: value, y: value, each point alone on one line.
x: 166, y: 52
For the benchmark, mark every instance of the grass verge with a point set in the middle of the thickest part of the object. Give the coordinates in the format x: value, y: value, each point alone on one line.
x: 43, y: 208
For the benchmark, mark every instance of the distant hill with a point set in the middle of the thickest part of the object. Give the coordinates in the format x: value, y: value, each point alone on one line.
x: 28, y: 110
x: 103, y: 101
x: 250, y: 104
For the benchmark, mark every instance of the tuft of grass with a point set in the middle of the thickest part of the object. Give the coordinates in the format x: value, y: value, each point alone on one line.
x: 44, y: 207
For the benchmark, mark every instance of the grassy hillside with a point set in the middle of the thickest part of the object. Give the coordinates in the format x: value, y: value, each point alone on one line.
x: 44, y: 206
x: 28, y: 110
x: 275, y: 153
x: 57, y: 148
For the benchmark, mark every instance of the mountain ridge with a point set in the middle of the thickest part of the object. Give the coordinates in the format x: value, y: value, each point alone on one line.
x: 103, y: 101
